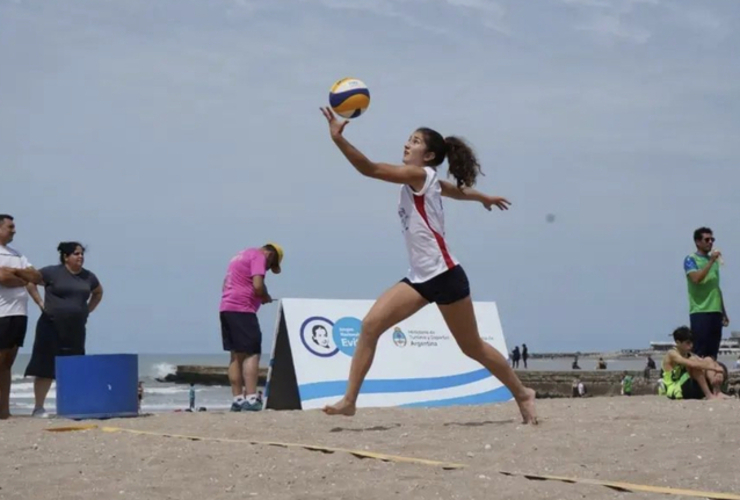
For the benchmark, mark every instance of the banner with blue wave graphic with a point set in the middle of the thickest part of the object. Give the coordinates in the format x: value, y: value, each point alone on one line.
x: 417, y: 362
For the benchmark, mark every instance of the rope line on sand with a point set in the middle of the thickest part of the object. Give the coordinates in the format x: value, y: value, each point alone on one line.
x: 311, y: 447
x: 628, y: 487
x: 615, y: 485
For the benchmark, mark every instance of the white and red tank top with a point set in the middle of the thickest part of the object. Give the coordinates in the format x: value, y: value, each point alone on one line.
x: 423, y: 226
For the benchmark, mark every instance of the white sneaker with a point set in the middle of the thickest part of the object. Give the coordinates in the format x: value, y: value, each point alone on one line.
x: 39, y: 413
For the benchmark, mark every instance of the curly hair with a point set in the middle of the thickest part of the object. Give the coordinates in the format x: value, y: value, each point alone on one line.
x: 463, y: 164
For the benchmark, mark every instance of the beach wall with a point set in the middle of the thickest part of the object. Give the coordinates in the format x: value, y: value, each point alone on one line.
x: 548, y: 384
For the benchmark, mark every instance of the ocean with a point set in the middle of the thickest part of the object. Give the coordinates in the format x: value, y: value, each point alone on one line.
x: 168, y: 397
x: 158, y: 396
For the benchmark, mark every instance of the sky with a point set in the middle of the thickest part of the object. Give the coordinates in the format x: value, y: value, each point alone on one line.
x: 168, y: 135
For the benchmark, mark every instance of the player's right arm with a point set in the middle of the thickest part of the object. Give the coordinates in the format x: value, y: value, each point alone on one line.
x: 8, y: 278
x: 411, y: 175
x: 29, y: 275
x: 692, y: 270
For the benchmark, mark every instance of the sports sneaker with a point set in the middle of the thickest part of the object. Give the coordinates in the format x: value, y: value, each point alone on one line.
x: 39, y: 413
x: 236, y: 406
x: 255, y: 406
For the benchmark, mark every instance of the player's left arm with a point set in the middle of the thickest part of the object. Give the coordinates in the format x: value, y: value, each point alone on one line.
x: 725, y: 317
x: 465, y: 193
x: 95, y: 297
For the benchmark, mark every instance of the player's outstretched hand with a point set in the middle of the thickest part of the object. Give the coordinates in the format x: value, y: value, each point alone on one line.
x: 490, y: 201
x: 336, y: 127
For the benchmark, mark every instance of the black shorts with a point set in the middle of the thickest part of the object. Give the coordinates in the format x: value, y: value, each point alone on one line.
x: 241, y: 332
x: 446, y: 288
x: 12, y: 331
x: 691, y: 390
x: 57, y: 335
x: 707, y: 332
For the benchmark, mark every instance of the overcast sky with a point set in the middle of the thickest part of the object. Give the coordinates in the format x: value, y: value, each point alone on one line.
x: 167, y: 135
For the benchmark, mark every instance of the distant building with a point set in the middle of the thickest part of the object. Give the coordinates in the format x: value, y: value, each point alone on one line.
x: 730, y: 345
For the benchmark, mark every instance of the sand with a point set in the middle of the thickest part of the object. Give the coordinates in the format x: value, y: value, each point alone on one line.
x: 646, y: 440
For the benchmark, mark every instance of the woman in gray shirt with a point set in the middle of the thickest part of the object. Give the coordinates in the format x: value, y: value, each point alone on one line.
x: 71, y: 293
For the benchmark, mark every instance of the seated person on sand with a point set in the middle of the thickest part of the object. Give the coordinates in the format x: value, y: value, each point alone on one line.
x: 687, y: 376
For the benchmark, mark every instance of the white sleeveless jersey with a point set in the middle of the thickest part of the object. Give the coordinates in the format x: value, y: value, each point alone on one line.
x: 423, y: 226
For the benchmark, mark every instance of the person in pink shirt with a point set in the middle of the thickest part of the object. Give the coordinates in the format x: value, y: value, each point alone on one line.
x: 243, y: 292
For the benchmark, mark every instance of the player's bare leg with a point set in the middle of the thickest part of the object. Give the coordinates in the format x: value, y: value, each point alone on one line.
x: 460, y: 319
x: 393, y: 306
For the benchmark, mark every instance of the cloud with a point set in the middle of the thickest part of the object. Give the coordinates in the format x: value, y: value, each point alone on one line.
x: 491, y: 14
x: 614, y: 26
x: 612, y: 20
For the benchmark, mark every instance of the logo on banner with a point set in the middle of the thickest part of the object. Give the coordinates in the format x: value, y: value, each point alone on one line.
x: 324, y: 338
x: 398, y: 337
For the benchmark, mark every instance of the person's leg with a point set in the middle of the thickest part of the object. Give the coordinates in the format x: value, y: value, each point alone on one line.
x: 7, y: 357
x: 249, y: 339
x: 41, y: 386
x: 235, y: 373
x: 714, y: 334
x: 42, y: 365
x: 393, y: 306
x: 700, y: 377
x: 460, y: 319
x: 699, y: 333
x: 251, y: 366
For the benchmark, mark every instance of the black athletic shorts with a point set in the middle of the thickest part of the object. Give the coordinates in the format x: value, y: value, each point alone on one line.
x: 12, y: 331
x: 707, y: 332
x: 241, y: 332
x: 446, y: 288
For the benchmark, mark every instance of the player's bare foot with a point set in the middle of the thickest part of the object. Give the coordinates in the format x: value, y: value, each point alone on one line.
x: 526, y: 407
x: 341, y: 408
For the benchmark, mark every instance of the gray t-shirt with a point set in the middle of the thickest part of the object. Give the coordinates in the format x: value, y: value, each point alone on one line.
x: 65, y: 292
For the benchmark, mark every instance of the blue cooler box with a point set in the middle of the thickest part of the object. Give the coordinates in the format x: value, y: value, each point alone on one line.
x: 97, y: 386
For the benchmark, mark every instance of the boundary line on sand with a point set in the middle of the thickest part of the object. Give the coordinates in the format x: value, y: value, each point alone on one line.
x: 324, y: 449
x: 628, y: 487
x: 614, y: 485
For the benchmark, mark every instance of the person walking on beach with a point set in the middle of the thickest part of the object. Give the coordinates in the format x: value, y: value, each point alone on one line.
x: 434, y: 275
x: 525, y: 355
x: 71, y: 294
x: 13, y: 309
x: 242, y: 294
x: 706, y: 306
x: 515, y: 357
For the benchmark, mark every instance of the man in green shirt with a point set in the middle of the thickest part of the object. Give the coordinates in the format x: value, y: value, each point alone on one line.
x: 706, y: 306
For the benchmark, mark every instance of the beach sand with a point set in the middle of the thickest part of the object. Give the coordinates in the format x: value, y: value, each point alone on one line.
x: 646, y: 440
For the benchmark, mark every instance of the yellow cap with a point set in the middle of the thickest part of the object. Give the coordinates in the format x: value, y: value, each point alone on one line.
x: 276, y: 266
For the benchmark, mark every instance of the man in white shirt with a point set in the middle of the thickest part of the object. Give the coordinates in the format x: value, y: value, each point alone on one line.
x: 13, y: 309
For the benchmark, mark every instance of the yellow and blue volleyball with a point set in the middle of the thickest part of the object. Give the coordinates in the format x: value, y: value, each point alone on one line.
x: 349, y: 97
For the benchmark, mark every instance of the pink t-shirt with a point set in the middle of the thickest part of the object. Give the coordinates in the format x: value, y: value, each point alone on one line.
x: 238, y: 291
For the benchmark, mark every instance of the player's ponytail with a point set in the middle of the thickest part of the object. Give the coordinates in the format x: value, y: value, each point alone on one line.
x: 464, y: 165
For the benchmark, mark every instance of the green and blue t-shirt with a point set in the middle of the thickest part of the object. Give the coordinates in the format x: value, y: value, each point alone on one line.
x: 704, y: 297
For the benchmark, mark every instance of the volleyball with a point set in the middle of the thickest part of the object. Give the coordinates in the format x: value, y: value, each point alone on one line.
x: 349, y: 97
